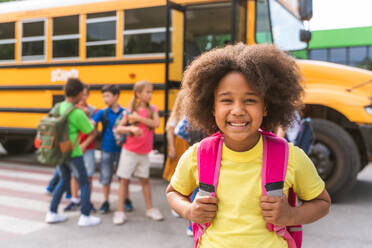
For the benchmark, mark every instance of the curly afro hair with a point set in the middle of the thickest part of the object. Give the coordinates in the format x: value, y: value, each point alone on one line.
x: 271, y: 73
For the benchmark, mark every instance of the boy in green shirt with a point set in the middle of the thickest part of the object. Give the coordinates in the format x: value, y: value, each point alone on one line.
x: 77, y: 122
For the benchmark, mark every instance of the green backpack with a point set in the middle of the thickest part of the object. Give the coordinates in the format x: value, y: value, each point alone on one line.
x: 55, y: 147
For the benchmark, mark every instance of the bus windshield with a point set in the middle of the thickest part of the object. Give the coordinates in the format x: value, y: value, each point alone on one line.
x: 285, y: 28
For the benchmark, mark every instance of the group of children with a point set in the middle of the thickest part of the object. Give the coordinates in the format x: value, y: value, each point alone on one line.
x: 132, y: 158
x: 240, y: 93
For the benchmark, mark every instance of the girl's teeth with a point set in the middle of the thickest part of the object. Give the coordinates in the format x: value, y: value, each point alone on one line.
x: 238, y: 124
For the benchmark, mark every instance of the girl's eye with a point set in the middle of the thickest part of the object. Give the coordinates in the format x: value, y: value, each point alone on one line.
x: 226, y: 100
x: 250, y: 100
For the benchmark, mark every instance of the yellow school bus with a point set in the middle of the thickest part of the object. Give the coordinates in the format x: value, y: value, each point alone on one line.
x: 43, y: 42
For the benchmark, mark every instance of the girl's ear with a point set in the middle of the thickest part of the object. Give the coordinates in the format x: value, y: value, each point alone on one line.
x: 265, y: 111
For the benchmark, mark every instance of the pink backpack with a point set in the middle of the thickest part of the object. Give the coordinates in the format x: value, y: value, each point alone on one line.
x: 275, y: 159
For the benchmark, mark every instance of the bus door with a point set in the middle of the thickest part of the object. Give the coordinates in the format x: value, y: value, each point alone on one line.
x: 175, y: 24
x: 196, y: 28
x: 213, y: 25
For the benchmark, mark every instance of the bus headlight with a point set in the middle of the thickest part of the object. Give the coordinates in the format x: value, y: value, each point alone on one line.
x: 369, y: 109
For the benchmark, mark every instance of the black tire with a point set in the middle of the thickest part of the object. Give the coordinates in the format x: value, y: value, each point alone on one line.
x: 335, y: 156
x: 18, y: 146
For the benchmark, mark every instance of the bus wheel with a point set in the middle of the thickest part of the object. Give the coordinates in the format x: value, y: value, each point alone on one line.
x: 18, y: 146
x: 335, y: 156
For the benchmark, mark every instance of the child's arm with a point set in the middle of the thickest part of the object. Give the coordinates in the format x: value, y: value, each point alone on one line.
x: 202, y: 210
x: 136, y: 131
x: 276, y: 210
x: 151, y: 123
x: 123, y: 128
x: 90, y: 139
x: 170, y: 135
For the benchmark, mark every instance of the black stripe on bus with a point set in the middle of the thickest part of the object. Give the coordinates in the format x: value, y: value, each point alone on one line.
x: 157, y: 86
x: 25, y: 110
x: 60, y: 87
x: 113, y: 62
x: 17, y: 131
x: 40, y: 110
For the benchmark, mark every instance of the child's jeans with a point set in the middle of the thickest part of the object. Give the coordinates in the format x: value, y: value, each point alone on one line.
x: 77, y: 164
x: 54, y: 181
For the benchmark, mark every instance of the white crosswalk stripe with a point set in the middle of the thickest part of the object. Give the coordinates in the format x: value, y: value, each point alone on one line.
x: 23, y: 203
x: 19, y: 226
x: 46, y: 178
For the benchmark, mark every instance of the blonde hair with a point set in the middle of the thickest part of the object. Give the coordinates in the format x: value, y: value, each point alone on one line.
x: 177, y: 111
x: 138, y: 88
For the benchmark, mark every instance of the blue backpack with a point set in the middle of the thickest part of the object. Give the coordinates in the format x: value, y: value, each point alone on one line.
x: 304, y: 139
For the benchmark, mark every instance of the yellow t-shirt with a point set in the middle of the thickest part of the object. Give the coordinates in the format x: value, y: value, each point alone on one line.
x: 239, y: 222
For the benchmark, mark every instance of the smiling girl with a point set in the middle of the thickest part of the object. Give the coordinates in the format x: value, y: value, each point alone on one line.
x: 238, y: 90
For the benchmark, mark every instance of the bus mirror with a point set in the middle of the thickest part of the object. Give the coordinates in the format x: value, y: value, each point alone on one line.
x: 306, y: 9
x: 305, y: 35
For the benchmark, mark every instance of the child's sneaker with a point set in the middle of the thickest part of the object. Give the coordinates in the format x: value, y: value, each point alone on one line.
x: 88, y: 220
x: 72, y: 206
x: 54, y: 218
x: 92, y: 208
x: 128, y: 206
x: 154, y: 214
x: 189, y: 231
x: 68, y: 196
x: 105, y: 208
x: 48, y: 191
x: 119, y: 218
x: 175, y: 214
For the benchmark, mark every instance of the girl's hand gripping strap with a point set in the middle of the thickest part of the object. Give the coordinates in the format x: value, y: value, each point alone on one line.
x: 274, y: 168
x: 209, y: 162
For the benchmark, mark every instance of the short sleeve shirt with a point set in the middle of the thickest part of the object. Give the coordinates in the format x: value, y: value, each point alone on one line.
x: 141, y: 144
x: 77, y: 122
x: 239, y: 222
x: 108, y: 143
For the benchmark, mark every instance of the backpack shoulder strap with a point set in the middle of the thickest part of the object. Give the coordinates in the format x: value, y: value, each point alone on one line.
x: 209, y: 158
x: 209, y: 162
x: 68, y: 111
x: 54, y: 111
x: 104, y: 119
x: 274, y: 163
x: 274, y: 168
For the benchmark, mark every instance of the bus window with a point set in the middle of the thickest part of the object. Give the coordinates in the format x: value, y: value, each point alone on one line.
x: 66, y: 37
x: 338, y: 55
x: 144, y: 31
x: 101, y: 35
x: 7, y: 41
x: 207, y: 26
x: 357, y: 56
x: 263, y: 29
x: 33, y: 39
x: 318, y: 54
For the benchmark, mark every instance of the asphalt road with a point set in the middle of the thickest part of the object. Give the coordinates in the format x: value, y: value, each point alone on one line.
x: 347, y: 225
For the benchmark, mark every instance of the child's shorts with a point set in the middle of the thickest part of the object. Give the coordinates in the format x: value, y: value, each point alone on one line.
x: 109, y: 161
x: 131, y: 163
x: 90, y: 162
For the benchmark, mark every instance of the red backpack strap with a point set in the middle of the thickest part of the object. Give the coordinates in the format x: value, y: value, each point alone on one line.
x: 274, y: 168
x: 209, y: 162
